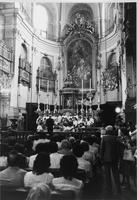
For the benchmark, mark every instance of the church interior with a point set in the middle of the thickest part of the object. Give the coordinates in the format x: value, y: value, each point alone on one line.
x: 68, y: 81
x: 58, y: 56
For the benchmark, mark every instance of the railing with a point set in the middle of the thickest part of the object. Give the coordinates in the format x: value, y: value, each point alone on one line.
x: 19, y: 136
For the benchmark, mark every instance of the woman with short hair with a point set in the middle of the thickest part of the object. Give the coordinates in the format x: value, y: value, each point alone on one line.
x: 68, y: 169
x: 40, y: 172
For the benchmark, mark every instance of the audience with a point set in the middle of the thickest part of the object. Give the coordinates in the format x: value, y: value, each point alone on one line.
x: 4, y: 150
x: 29, y: 163
x: 13, y: 175
x: 39, y: 192
x: 41, y: 147
x: 56, y: 157
x: 68, y: 168
x: 40, y: 172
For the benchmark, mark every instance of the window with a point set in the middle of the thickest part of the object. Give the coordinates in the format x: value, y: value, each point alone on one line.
x: 23, y: 51
x: 40, y: 20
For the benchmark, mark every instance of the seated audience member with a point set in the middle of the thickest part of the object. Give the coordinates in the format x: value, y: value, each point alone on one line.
x: 87, y: 155
x: 56, y: 157
x: 20, y: 148
x: 41, y: 147
x: 28, y: 145
x: 93, y: 147
x: 40, y: 173
x: 65, y: 147
x: 68, y: 168
x: 3, y: 156
x: 72, y: 140
x: 12, y: 175
x: 82, y: 163
x: 53, y: 147
x: 58, y: 138
x: 22, y: 161
x: 41, y: 139
x: 39, y: 192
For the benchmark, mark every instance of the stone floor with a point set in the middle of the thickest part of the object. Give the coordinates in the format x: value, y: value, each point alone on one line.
x: 95, y: 191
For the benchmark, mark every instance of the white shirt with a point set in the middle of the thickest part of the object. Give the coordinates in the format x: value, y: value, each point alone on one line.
x: 3, y: 161
x: 84, y: 164
x: 31, y: 160
x: 30, y: 179
x: 55, y: 160
x: 63, y: 184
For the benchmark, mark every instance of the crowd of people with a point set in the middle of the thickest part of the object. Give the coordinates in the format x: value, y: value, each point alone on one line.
x: 50, y: 163
x: 66, y: 122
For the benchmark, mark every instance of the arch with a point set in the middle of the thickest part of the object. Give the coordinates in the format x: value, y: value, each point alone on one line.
x: 46, y: 68
x: 83, y: 9
x: 40, y: 19
x: 112, y: 61
x: 52, y: 19
x: 110, y: 12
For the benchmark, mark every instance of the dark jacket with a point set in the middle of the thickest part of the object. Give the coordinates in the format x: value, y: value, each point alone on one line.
x: 50, y: 123
x: 110, y: 149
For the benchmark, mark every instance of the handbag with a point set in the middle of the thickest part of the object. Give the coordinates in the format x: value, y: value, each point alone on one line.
x: 128, y: 155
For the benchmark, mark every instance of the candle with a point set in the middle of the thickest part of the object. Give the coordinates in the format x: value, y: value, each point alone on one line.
x: 39, y: 91
x: 82, y: 91
x: 90, y: 84
x: 47, y: 86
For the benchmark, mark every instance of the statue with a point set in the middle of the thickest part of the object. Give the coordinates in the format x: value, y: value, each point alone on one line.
x: 20, y: 122
x: 69, y: 103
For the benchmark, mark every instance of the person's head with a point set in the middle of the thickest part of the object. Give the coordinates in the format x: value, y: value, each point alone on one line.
x: 53, y: 147
x: 42, y: 147
x: 13, y: 158
x: 72, y: 140
x: 4, y: 150
x: 41, y: 163
x: 65, y: 144
x: 40, y: 191
x: 22, y: 161
x: 77, y: 150
x: 19, y: 148
x: 85, y: 146
x: 109, y: 130
x: 68, y: 166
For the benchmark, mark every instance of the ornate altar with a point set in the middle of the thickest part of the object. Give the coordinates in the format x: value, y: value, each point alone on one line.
x: 69, y: 94
x: 79, y: 49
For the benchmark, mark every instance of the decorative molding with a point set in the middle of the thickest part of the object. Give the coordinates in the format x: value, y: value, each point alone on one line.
x: 79, y: 27
x: 110, y: 79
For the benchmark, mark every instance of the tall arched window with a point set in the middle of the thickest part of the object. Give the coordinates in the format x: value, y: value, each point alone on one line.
x: 46, y: 75
x: 46, y: 68
x: 23, y: 51
x: 40, y: 20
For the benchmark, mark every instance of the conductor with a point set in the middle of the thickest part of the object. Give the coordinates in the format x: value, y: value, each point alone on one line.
x: 50, y: 124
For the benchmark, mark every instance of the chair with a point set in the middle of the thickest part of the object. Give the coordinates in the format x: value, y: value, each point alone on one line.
x: 11, y: 193
x: 55, y: 171
x: 81, y: 175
